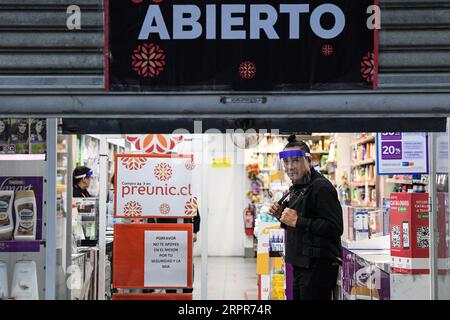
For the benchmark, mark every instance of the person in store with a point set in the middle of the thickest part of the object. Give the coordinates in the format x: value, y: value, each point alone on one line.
x: 312, y: 217
x: 81, y: 179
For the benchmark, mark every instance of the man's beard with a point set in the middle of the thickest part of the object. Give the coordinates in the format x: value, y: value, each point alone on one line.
x: 305, y: 179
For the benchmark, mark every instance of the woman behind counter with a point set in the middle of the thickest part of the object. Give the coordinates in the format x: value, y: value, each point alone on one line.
x: 81, y: 179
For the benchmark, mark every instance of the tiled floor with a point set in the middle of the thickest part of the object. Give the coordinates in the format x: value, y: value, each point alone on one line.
x: 229, y: 278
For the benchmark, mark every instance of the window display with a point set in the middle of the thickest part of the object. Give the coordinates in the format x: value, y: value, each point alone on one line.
x: 24, y: 205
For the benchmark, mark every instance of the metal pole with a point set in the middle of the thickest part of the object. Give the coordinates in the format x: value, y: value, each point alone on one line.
x: 69, y: 208
x: 179, y: 221
x: 204, y: 219
x: 102, y: 217
x: 50, y: 239
x: 433, y: 218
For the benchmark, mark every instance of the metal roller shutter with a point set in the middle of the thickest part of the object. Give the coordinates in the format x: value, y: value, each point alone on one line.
x: 37, y: 51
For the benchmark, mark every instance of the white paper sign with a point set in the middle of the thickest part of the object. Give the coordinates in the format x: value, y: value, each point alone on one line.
x: 166, y: 259
x: 402, y: 153
x: 156, y: 186
x: 442, y: 152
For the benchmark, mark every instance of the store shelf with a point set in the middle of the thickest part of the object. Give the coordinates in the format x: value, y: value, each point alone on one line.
x: 21, y: 246
x: 364, y: 140
x: 370, y: 183
x: 319, y: 152
x: 362, y: 206
x: 363, y: 163
x: 308, y: 137
x: 405, y: 182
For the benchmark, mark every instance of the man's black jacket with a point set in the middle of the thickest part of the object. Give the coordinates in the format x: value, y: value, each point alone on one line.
x: 316, y: 237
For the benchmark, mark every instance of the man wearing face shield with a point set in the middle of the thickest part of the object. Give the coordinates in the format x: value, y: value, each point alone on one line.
x: 312, y: 217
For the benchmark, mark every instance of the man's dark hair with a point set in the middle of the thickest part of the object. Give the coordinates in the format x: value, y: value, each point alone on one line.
x: 293, y: 142
x: 78, y: 172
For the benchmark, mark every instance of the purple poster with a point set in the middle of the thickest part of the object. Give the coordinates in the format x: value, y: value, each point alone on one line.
x: 402, y: 153
x: 391, y: 136
x: 363, y: 280
x: 18, y: 184
x: 391, y: 150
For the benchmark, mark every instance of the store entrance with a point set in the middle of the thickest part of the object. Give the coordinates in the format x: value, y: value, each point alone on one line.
x: 242, y: 176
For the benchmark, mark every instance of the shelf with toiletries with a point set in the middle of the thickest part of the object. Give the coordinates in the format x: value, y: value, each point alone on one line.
x: 363, y: 177
x: 21, y: 214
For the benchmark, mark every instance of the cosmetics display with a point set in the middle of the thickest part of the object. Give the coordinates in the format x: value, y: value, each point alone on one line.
x: 6, y: 215
x: 25, y: 207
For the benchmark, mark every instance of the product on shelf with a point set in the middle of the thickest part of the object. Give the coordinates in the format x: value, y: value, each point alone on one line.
x: 3, y: 280
x: 264, y: 215
x: 278, y: 288
x: 20, y: 135
x: 38, y: 136
x: 25, y: 207
x: 361, y: 225
x: 24, y: 284
x: 6, y: 214
x: 276, y: 243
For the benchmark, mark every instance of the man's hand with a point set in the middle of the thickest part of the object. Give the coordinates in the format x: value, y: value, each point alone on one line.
x: 289, y: 217
x: 195, y: 237
x: 275, y: 210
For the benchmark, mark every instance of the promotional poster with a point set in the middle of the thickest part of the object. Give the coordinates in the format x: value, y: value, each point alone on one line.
x: 149, y: 185
x: 33, y: 207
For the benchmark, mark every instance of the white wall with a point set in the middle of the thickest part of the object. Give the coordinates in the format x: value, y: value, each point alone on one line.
x: 226, y: 199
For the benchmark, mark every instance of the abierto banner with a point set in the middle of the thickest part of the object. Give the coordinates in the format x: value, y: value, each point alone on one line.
x: 238, y: 45
x: 149, y: 185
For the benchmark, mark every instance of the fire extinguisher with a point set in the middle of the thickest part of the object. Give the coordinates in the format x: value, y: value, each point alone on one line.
x: 249, y: 221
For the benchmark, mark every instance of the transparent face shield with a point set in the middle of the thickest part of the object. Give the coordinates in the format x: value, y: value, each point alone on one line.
x: 89, y: 174
x: 295, y: 164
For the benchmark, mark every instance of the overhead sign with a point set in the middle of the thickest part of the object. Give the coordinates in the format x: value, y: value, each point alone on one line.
x: 149, y: 185
x: 402, y: 153
x: 241, y: 45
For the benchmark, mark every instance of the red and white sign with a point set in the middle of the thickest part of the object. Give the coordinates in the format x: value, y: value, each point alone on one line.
x: 410, y: 233
x: 149, y: 185
x: 152, y: 255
